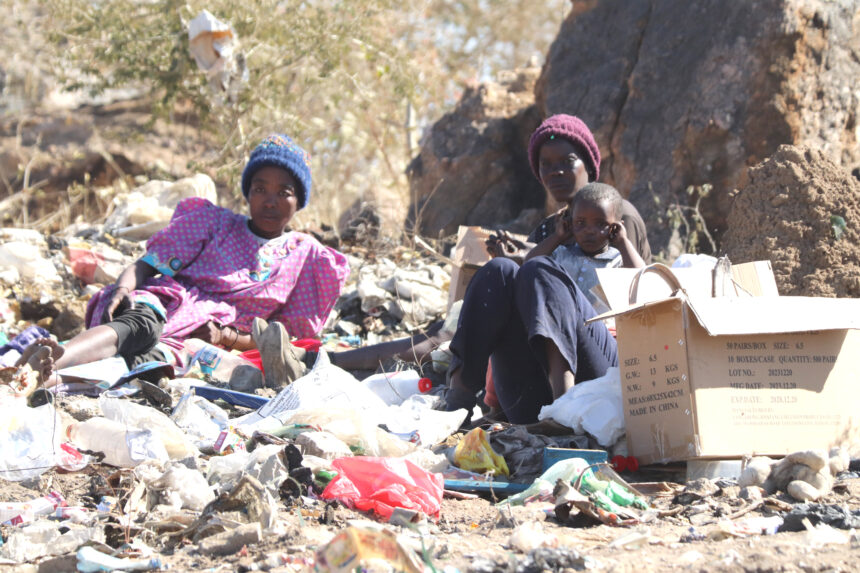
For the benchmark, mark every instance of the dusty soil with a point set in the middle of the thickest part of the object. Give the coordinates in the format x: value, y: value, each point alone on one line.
x: 802, y: 212
x: 473, y: 535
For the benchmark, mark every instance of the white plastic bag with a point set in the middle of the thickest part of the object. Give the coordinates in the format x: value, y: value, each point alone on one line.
x: 325, y: 386
x: 416, y: 414
x: 184, y: 487
x: 200, y: 419
x: 359, y: 431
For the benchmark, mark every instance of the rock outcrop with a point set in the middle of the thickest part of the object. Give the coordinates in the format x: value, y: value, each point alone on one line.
x: 473, y: 169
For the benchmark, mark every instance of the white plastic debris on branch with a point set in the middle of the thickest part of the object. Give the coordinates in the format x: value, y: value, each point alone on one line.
x: 418, y: 293
x: 214, y: 46
x: 594, y: 406
x: 179, y: 486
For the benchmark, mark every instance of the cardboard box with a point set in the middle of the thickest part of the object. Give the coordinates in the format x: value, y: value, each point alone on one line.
x: 707, y: 377
x: 470, y: 253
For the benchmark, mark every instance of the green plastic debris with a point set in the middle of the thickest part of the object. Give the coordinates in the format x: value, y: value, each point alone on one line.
x: 838, y: 225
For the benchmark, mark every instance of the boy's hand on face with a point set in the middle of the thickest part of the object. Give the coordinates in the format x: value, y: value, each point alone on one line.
x: 616, y: 233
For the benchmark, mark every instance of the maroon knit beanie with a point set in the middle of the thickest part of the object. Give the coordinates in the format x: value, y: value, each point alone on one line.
x: 575, y: 131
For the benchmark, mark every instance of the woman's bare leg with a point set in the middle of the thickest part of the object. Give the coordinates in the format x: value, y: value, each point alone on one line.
x: 93, y: 344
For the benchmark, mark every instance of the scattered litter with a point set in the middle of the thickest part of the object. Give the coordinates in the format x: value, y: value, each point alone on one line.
x: 367, y: 547
x: 531, y: 535
x: 91, y: 560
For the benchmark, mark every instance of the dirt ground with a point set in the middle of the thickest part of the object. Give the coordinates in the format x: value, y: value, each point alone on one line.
x: 802, y: 212
x: 474, y: 535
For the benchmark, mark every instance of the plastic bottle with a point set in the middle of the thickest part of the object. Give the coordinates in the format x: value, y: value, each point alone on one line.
x: 213, y: 361
x: 90, y: 560
x: 613, y: 491
x: 122, y: 447
x: 395, y: 387
x: 131, y: 415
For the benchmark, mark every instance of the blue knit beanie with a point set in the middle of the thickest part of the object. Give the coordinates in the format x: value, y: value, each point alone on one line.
x: 280, y: 151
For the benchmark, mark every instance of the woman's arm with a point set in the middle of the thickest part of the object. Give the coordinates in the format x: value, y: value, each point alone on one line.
x: 129, y: 279
x: 134, y: 275
x: 225, y: 336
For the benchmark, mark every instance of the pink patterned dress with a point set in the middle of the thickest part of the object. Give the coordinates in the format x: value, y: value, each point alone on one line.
x: 214, y: 268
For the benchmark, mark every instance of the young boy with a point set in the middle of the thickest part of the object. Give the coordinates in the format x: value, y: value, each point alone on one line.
x: 590, y: 237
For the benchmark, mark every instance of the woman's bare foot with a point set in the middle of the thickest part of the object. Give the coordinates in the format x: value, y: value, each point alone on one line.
x: 56, y: 350
x: 23, y: 380
x: 42, y: 363
x: 41, y: 357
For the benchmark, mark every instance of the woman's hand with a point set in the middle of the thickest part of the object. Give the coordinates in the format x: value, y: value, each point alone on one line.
x: 502, y: 244
x: 210, y: 332
x: 120, y: 301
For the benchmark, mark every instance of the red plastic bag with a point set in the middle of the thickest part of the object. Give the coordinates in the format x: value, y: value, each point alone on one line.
x: 381, y: 484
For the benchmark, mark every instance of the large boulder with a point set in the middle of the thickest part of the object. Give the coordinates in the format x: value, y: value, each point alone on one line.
x: 801, y: 211
x: 686, y: 93
x: 472, y: 168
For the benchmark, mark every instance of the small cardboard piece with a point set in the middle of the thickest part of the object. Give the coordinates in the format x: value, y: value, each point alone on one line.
x: 469, y: 254
x: 707, y: 377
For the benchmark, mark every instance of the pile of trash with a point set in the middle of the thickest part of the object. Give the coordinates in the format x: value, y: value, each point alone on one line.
x: 164, y: 466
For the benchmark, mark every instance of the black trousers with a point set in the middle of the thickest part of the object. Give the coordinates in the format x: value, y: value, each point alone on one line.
x: 138, y: 330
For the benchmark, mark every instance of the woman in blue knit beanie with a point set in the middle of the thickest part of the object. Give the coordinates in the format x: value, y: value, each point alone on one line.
x: 211, y: 272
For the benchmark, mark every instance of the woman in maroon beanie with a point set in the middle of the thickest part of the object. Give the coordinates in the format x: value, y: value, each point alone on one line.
x: 522, y: 318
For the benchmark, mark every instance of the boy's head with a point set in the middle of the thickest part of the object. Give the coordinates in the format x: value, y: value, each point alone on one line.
x: 594, y: 208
